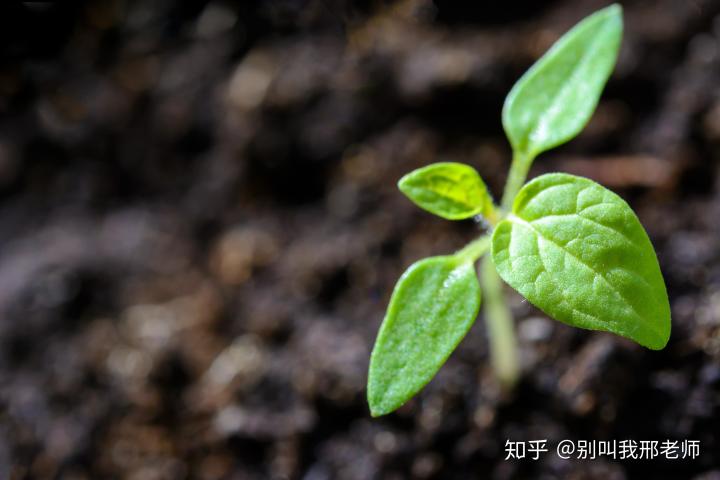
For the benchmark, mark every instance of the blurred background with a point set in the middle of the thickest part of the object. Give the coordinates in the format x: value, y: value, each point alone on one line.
x: 200, y: 231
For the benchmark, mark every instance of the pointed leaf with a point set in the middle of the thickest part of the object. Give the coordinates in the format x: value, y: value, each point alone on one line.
x: 577, y: 251
x: 555, y: 99
x: 432, y: 307
x: 453, y: 191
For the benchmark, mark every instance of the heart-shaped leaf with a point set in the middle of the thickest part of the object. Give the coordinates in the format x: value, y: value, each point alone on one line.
x: 434, y: 304
x: 453, y: 191
x: 554, y: 100
x: 577, y: 251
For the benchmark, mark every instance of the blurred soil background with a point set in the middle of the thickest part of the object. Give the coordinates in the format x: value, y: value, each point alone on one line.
x: 200, y: 230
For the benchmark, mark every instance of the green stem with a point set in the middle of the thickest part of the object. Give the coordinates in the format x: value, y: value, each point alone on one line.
x: 501, y: 331
x: 498, y: 317
x: 516, y: 178
x: 499, y: 320
x: 474, y: 250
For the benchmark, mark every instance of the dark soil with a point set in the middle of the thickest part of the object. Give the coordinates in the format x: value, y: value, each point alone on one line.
x: 200, y: 230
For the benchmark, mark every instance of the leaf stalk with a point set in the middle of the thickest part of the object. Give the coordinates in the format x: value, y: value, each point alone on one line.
x: 516, y: 178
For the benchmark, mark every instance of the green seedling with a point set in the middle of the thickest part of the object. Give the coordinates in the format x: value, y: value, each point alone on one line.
x: 568, y: 245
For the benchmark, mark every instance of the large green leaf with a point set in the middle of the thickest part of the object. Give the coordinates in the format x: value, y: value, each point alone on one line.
x: 578, y: 252
x: 554, y: 100
x: 449, y: 190
x: 434, y: 304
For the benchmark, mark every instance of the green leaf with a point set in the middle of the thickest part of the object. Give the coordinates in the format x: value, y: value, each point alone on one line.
x: 577, y: 251
x: 453, y: 191
x: 555, y: 99
x: 434, y: 304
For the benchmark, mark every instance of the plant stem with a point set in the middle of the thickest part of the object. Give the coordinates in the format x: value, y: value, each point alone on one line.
x: 474, y: 250
x: 498, y: 317
x: 516, y: 178
x: 499, y: 321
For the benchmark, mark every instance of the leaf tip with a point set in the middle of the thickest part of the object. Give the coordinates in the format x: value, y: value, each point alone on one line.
x: 402, y: 184
x: 378, y: 408
x: 376, y: 391
x: 613, y: 15
x: 611, y: 12
x: 614, y: 9
x: 660, y: 342
x: 375, y: 412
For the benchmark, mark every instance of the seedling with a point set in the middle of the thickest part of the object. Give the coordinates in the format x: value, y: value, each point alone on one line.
x: 568, y: 245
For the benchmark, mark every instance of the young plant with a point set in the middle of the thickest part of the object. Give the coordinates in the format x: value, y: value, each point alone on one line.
x: 568, y: 245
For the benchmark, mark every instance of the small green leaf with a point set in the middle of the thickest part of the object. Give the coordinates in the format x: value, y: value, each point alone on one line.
x: 577, y: 251
x: 434, y: 304
x: 555, y: 99
x: 453, y: 191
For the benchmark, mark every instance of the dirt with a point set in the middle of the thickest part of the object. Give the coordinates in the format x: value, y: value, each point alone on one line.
x: 200, y: 230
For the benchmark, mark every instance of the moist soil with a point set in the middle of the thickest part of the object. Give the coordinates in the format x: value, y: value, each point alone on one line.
x: 200, y: 231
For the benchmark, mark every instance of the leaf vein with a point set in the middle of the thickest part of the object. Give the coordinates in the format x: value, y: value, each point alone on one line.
x: 593, y: 270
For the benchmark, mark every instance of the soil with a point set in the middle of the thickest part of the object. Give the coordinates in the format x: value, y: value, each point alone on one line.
x: 200, y: 230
